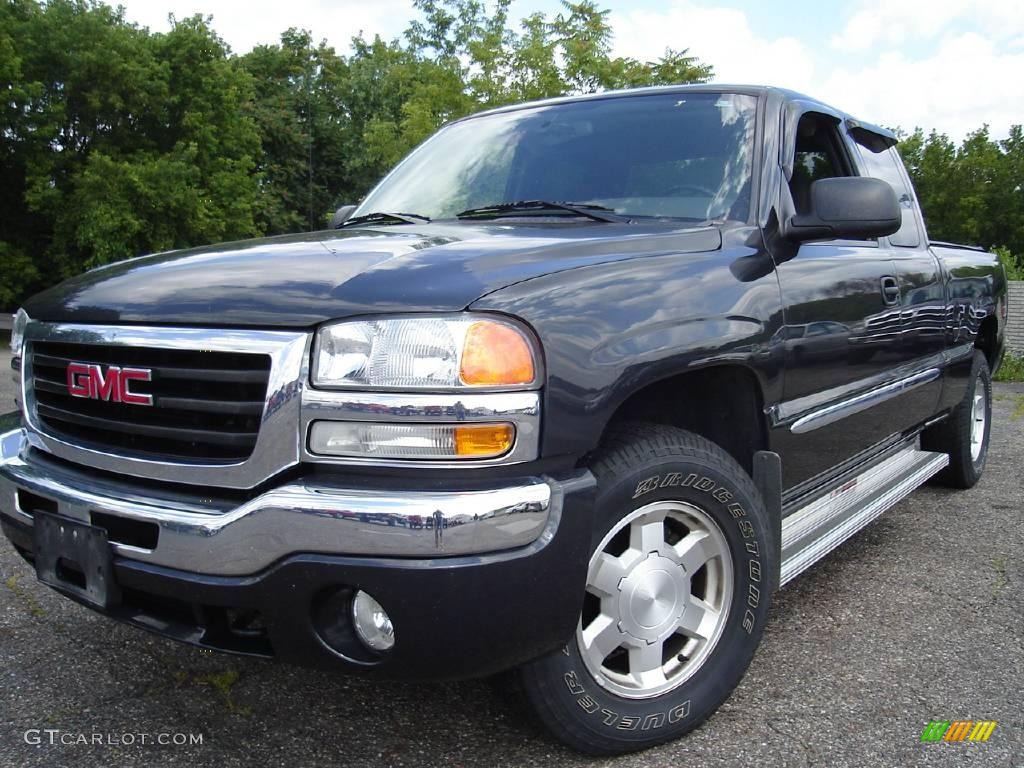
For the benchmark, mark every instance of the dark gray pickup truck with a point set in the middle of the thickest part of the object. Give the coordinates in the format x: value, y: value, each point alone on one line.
x: 572, y: 392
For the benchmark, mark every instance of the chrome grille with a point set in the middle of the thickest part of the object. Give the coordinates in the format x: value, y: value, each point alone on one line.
x: 207, y: 405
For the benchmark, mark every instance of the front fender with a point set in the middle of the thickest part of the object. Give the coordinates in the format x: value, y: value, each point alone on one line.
x: 610, y: 330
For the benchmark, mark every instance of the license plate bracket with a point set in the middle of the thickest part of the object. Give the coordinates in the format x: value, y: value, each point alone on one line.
x: 75, y: 558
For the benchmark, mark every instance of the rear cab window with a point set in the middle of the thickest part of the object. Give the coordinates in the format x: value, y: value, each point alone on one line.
x: 887, y: 166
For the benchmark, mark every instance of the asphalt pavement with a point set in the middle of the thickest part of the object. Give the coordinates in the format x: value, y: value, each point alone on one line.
x: 920, y: 617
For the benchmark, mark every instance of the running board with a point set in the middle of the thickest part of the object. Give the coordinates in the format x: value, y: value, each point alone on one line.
x: 813, y: 531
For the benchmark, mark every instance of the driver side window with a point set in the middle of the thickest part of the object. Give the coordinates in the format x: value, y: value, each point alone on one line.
x: 819, y: 155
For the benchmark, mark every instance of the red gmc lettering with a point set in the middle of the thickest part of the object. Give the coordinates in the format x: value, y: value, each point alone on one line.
x: 86, y: 380
x: 108, y: 388
x: 79, y: 380
x: 135, y: 374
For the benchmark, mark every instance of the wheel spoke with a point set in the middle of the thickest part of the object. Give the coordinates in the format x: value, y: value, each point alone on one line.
x: 645, y: 665
x: 642, y: 593
x: 694, y: 550
x: 647, y: 535
x: 979, y: 416
x: 601, y: 637
x: 606, y: 574
x: 698, y: 620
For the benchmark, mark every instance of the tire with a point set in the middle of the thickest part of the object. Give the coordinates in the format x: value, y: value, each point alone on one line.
x: 958, y: 435
x: 641, y: 584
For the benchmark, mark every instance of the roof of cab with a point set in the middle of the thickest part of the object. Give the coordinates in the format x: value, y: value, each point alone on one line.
x: 750, y: 90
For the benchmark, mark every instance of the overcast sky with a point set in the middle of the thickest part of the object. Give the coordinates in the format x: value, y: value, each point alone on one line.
x: 945, y: 64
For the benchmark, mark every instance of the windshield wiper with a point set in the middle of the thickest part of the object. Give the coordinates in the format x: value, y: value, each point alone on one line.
x: 386, y: 218
x: 542, y: 207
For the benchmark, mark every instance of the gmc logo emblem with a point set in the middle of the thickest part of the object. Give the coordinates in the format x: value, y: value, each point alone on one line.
x: 85, y: 380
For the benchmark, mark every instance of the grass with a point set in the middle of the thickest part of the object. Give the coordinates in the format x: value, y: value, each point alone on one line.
x: 224, y: 682
x: 25, y: 597
x: 1018, y: 412
x: 1012, y: 369
x: 999, y: 566
x: 9, y: 421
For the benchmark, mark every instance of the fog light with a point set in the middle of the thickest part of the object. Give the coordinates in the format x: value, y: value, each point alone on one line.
x: 411, y: 441
x: 372, y: 623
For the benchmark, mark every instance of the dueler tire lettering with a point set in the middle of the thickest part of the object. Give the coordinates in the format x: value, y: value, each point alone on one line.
x: 641, y: 464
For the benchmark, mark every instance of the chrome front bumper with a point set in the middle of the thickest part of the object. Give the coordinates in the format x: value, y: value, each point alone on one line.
x: 210, y: 536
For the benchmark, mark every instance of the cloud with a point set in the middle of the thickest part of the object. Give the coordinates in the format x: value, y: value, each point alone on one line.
x: 246, y: 25
x: 901, y: 22
x: 945, y: 64
x: 966, y: 80
x: 716, y: 35
x: 965, y: 68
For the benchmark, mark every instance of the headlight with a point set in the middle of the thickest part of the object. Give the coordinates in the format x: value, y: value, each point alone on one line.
x: 412, y: 353
x: 18, y: 332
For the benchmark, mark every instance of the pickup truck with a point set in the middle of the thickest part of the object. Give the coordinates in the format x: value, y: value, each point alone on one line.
x: 568, y: 396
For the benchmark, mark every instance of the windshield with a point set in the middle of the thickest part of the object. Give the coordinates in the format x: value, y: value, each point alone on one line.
x: 677, y: 155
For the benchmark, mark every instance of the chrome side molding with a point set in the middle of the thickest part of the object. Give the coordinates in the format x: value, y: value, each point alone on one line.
x: 815, y: 530
x: 833, y: 413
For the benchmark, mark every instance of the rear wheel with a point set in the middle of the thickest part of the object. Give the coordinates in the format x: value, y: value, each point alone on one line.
x: 677, y: 595
x: 964, y: 435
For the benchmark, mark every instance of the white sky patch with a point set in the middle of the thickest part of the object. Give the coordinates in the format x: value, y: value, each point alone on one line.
x: 950, y: 65
x: 897, y: 23
x: 948, y: 80
x: 954, y: 89
x: 716, y: 35
x: 244, y: 25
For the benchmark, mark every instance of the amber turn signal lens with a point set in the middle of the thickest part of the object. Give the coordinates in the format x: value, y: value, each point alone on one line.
x: 484, y: 440
x: 494, y: 354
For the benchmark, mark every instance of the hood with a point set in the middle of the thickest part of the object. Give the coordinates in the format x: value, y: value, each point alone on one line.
x: 302, y: 280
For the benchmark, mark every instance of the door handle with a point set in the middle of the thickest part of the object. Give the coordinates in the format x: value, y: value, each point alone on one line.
x: 890, y: 290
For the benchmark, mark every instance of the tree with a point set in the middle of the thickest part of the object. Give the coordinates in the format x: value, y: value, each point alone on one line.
x: 973, y: 193
x: 569, y: 54
x: 1006, y: 195
x: 300, y: 127
x: 118, y: 141
x: 115, y: 141
x: 397, y: 98
x: 462, y: 57
x: 187, y: 177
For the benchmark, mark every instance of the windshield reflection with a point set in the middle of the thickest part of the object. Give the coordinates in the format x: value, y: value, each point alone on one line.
x: 667, y: 155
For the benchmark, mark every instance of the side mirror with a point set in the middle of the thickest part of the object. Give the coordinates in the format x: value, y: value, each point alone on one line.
x: 847, y: 206
x: 341, y: 216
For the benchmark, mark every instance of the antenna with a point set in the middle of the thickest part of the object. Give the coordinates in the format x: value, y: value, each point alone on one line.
x: 309, y: 123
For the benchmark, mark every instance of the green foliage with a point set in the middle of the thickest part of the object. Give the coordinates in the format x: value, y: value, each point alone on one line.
x: 118, y: 141
x: 304, y: 140
x: 1012, y: 368
x: 462, y: 56
x: 569, y: 54
x: 18, y: 273
x: 1013, y: 264
x: 973, y: 193
x: 115, y: 141
x: 398, y: 98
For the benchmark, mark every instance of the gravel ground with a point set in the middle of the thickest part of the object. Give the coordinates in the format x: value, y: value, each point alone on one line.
x: 918, y: 618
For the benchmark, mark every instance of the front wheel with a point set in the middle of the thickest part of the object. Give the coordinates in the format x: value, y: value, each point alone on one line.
x: 678, y: 585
